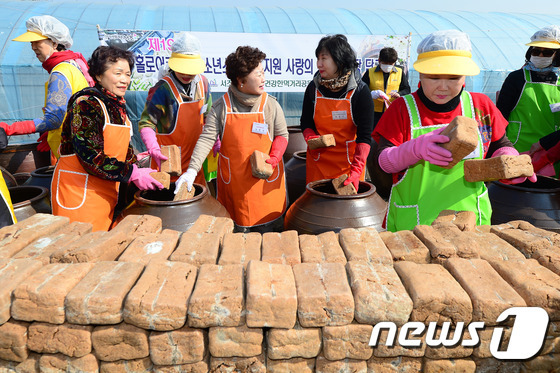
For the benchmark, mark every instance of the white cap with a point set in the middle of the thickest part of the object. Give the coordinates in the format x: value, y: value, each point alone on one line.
x: 547, y: 37
x: 46, y: 27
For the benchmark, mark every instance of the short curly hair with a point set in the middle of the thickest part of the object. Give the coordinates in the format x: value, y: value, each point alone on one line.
x: 104, y: 56
x: 242, y: 62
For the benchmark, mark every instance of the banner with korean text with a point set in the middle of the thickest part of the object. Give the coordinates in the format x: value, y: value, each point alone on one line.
x: 290, y: 58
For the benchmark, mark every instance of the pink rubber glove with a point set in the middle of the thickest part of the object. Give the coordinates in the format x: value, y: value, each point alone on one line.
x: 277, y: 150
x: 142, y: 179
x: 397, y: 158
x: 216, y: 147
x: 309, y: 134
x: 508, y: 150
x: 19, y: 128
x: 358, y: 164
x: 43, y: 145
x: 150, y: 140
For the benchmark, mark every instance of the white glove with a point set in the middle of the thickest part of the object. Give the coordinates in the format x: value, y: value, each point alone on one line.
x: 188, y: 177
x: 379, y: 94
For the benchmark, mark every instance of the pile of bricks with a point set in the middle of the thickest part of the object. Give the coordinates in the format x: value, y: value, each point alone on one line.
x: 139, y: 298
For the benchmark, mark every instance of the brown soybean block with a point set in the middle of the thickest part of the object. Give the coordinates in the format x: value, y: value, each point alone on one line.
x: 482, y: 350
x: 324, y: 365
x: 271, y: 295
x: 364, y: 244
x: 200, y: 367
x: 158, y: 301
x: 492, y: 365
x: 259, y: 168
x: 281, y: 248
x: 494, y: 248
x: 240, y: 248
x: 464, y: 246
x: 347, y: 342
x: 63, y: 363
x: 543, y: 363
x: 119, y: 342
x: 181, y: 346
x: 404, y: 245
x: 296, y: 364
x: 183, y: 193
x: 212, y: 224
x: 42, y: 248
x: 197, y: 249
x: 449, y: 365
x: 68, y: 339
x: 322, y: 141
x: 163, y: 178
x: 139, y: 224
x: 497, y: 168
x: 440, y: 248
x: 463, y: 138
x: 324, y: 295
x: 41, y: 296
x: 152, y: 246
x: 94, y: 247
x: 323, y: 247
x: 341, y: 189
x: 13, y: 341
x: 525, y: 237
x: 235, y: 341
x: 98, y: 298
x: 549, y: 258
x: 12, y: 273
x: 126, y: 366
x: 217, y: 299
x: 385, y: 348
x: 173, y: 163
x: 297, y: 342
x: 490, y: 294
x: 254, y: 364
x: 464, y: 220
x: 456, y: 351
x: 436, y: 295
x: 537, y: 285
x: 394, y: 365
x: 29, y: 365
x: 14, y: 238
x: 378, y: 293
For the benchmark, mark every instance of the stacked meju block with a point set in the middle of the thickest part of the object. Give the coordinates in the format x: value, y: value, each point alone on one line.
x: 139, y: 298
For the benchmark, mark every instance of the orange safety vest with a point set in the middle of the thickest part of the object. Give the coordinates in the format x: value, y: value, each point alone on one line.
x: 186, y: 130
x: 333, y: 116
x: 250, y: 201
x: 84, y: 197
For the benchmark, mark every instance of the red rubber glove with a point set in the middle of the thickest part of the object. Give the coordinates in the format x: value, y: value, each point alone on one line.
x: 277, y: 150
x: 507, y: 150
x: 19, y: 128
x: 142, y: 179
x: 358, y: 165
x: 309, y: 134
x: 43, y: 145
x: 149, y: 138
x: 540, y: 160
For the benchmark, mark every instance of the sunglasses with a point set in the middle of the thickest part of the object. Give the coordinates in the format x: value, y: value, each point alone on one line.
x: 544, y: 52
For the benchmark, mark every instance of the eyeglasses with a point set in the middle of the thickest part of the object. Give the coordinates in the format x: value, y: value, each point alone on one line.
x: 544, y: 52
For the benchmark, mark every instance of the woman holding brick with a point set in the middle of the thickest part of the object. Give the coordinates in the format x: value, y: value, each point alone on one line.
x: 95, y: 152
x: 337, y: 102
x: 245, y: 119
x: 409, y: 131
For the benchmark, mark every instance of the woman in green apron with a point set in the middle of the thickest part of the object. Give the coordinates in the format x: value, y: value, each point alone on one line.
x: 409, y: 132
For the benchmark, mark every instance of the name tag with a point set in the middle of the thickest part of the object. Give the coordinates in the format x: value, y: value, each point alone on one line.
x: 260, y: 128
x: 339, y: 115
x: 555, y: 107
x: 203, y: 109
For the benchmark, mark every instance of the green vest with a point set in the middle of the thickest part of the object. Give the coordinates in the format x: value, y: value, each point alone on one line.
x: 426, y: 189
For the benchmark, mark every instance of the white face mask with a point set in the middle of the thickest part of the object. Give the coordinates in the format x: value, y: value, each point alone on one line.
x: 541, y: 62
x: 386, y: 68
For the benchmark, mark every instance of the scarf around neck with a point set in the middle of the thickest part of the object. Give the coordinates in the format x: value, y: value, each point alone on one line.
x: 62, y: 56
x: 335, y: 83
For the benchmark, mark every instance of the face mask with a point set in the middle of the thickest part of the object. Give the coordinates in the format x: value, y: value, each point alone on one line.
x: 386, y: 68
x: 541, y: 62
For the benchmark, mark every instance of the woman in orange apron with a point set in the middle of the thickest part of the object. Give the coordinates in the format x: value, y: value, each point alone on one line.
x: 246, y: 119
x: 337, y: 102
x: 95, y: 152
x: 177, y: 105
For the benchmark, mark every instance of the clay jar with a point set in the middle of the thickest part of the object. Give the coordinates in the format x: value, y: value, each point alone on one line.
x: 537, y: 203
x: 29, y: 200
x: 295, y: 175
x: 41, y: 177
x: 296, y: 142
x: 176, y: 215
x: 320, y: 209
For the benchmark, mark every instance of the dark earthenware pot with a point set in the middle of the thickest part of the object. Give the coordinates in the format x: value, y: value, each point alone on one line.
x: 320, y: 209
x: 22, y: 177
x: 10, y: 179
x: 23, y: 158
x: 29, y: 200
x: 296, y: 142
x: 41, y: 177
x: 295, y: 175
x: 176, y: 215
x: 537, y: 203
